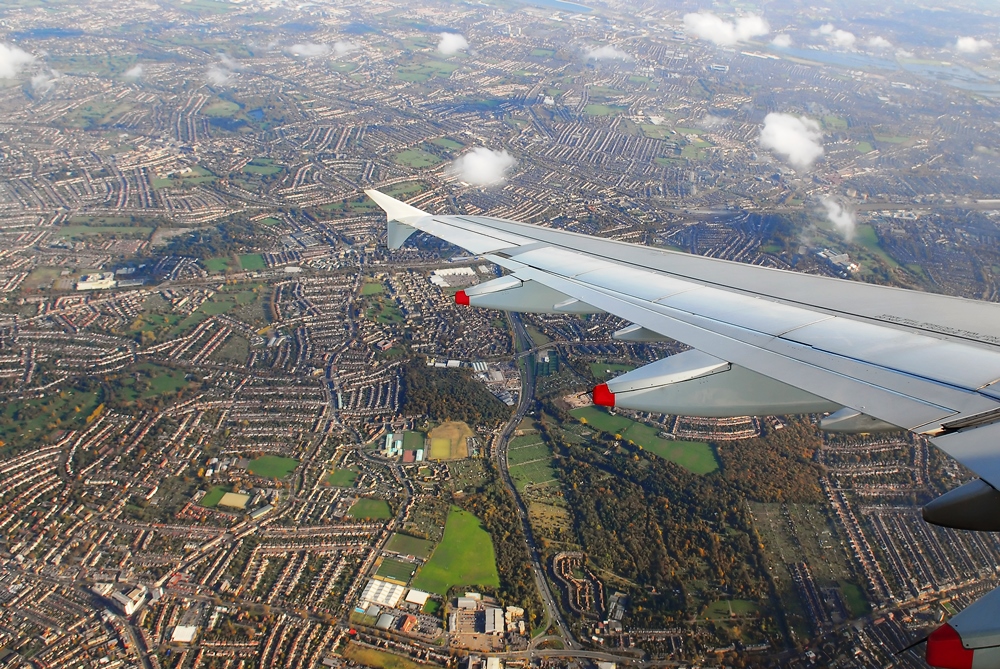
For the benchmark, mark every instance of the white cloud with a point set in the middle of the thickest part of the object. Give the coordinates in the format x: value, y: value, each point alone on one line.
x: 715, y: 29
x: 607, y: 52
x: 798, y: 139
x: 43, y: 82
x: 782, y: 41
x: 840, y: 216
x: 483, y: 167
x: 711, y: 122
x: 308, y: 50
x: 218, y: 76
x: 229, y: 62
x: 972, y: 45
x: 134, y: 72
x: 452, y: 43
x: 825, y: 29
x: 879, y: 42
x: 343, y: 47
x: 12, y: 60
x: 843, y: 39
x: 903, y: 53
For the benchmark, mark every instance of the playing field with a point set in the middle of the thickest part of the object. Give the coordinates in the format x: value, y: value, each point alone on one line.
x: 464, y: 557
x: 448, y: 441
x: 273, y: 466
x: 695, y: 456
x: 378, y: 659
x: 370, y: 509
x: 395, y: 570
x: 342, y: 478
x: 404, y: 544
x: 213, y: 496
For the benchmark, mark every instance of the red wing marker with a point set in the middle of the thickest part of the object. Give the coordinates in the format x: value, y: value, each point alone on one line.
x: 603, y: 397
x: 462, y: 298
x: 945, y: 649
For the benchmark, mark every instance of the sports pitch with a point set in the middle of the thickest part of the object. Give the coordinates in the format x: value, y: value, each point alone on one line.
x: 465, y: 557
x: 448, y: 441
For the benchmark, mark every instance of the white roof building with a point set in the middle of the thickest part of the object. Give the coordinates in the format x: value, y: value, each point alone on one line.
x: 382, y: 593
x: 183, y: 634
x: 418, y: 597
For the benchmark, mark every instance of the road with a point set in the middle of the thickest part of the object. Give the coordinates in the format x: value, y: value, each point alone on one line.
x: 552, y: 613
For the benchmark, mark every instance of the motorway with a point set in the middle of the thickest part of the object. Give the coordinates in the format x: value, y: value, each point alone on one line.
x: 527, y: 397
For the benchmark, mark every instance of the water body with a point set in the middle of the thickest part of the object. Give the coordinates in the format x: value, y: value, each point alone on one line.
x: 256, y: 114
x: 560, y: 5
x: 958, y: 76
x: 856, y: 61
x: 47, y: 33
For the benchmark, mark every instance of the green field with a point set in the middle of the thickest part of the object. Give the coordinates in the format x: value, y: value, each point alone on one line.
x: 865, y: 236
x: 727, y: 609
x: 273, y: 466
x: 864, y: 147
x: 421, y: 72
x: 518, y: 456
x: 404, y: 544
x: 252, y: 261
x: 606, y: 370
x: 165, y: 381
x: 416, y: 158
x: 342, y: 478
x: 694, y: 456
x: 594, y: 109
x: 395, y: 570
x: 372, y: 288
x: 81, y: 231
x: 217, y: 264
x: 464, y: 557
x: 377, y: 659
x: 212, y: 497
x: 891, y: 139
x: 370, y: 509
x: 446, y: 143
x: 221, y: 109
x: 26, y: 421
x: 412, y: 440
x: 542, y: 53
x: 532, y: 473
x: 262, y: 166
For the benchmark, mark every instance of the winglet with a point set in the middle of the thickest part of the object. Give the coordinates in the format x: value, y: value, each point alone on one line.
x: 396, y: 214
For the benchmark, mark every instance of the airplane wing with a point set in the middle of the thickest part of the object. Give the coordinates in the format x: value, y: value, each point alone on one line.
x: 766, y: 341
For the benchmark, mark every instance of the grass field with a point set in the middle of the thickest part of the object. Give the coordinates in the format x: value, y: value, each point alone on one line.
x: 252, y: 261
x: 465, y: 556
x: 370, y: 509
x: 395, y: 570
x: 342, y: 478
x: 446, y: 143
x: 864, y: 147
x: 80, y: 231
x: 372, y: 288
x: 865, y: 236
x: 606, y: 370
x: 217, y: 264
x: 532, y: 473
x: 448, y: 441
x: 421, y: 72
x: 262, y: 167
x: 594, y: 109
x: 378, y: 659
x: 727, y: 609
x: 165, y: 381
x: 695, y: 456
x: 416, y: 158
x: 221, y: 109
x: 273, y: 466
x: 404, y: 544
x: 212, y: 497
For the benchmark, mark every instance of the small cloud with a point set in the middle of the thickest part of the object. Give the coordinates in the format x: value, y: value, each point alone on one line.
x: 843, y: 39
x: 308, y: 50
x: 825, y: 29
x: 134, y: 72
x: 715, y: 29
x: 711, y: 122
x: 841, y: 217
x: 343, y: 47
x: 483, y: 167
x: 229, y: 62
x: 972, y: 45
x: 43, y: 82
x: 782, y: 41
x: 13, y: 60
x: 903, y: 53
x: 798, y: 139
x: 218, y: 76
x: 878, y: 42
x: 607, y: 52
x: 452, y: 43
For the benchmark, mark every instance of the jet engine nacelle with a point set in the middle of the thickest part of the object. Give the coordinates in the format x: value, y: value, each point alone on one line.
x: 508, y: 293
x: 697, y: 384
x: 969, y: 640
